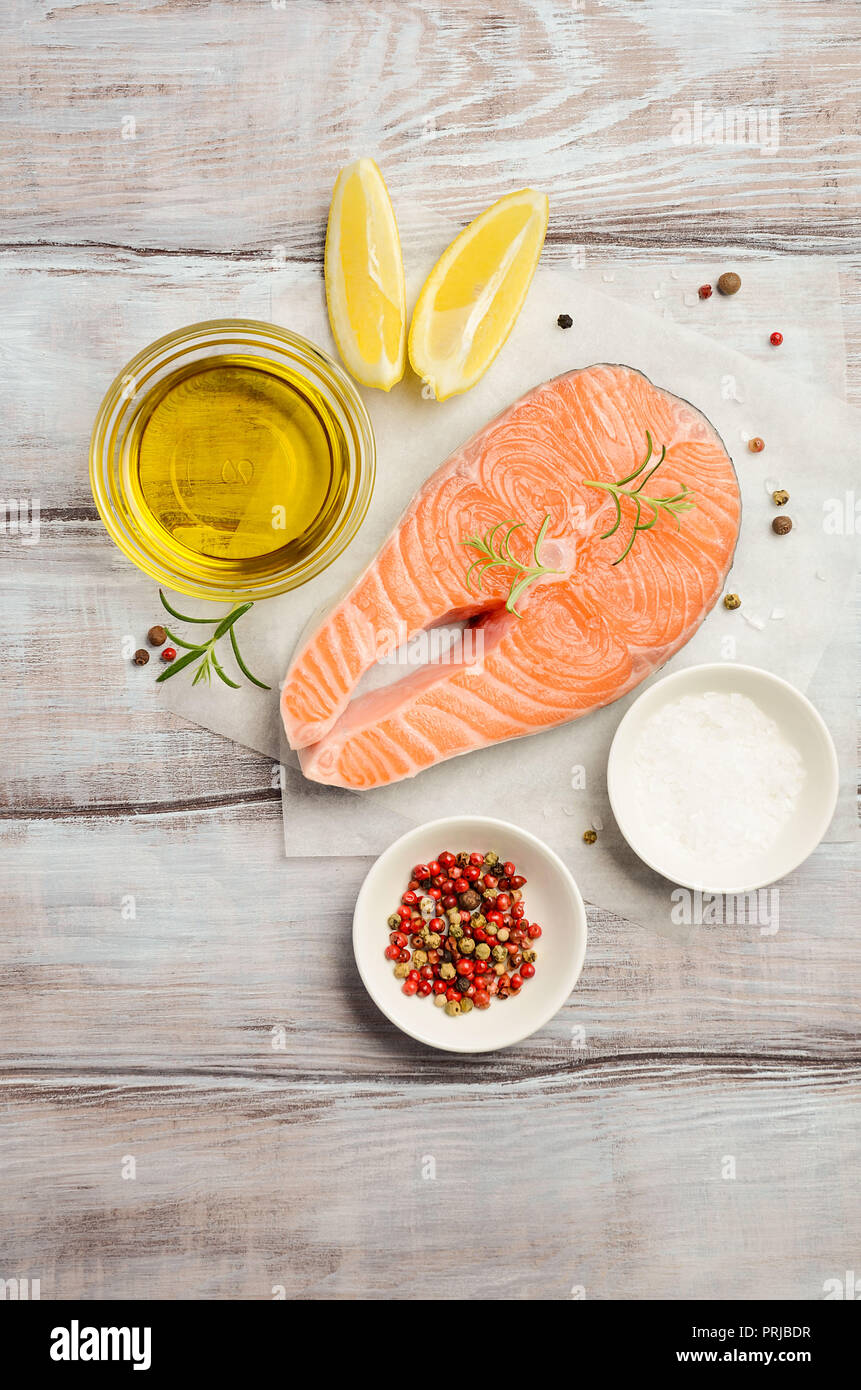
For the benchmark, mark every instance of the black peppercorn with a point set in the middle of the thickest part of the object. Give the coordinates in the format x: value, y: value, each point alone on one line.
x: 565, y: 321
x: 141, y: 657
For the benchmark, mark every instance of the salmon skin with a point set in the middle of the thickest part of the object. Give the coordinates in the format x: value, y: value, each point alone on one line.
x: 587, y: 634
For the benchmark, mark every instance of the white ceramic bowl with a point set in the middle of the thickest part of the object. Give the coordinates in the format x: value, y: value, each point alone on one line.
x: 551, y: 896
x: 797, y: 720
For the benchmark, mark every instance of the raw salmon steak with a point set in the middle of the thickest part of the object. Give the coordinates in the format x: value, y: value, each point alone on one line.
x: 586, y: 634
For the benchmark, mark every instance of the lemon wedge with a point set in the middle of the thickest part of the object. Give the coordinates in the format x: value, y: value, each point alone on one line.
x: 365, y: 290
x: 471, y: 299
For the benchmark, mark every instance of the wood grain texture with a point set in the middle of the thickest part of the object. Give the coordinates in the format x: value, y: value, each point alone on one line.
x: 159, y: 998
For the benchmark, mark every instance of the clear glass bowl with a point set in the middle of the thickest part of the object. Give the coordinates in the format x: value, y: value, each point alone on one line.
x: 114, y: 453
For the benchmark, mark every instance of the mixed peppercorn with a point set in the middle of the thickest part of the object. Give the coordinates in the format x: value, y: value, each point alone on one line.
x: 460, y: 933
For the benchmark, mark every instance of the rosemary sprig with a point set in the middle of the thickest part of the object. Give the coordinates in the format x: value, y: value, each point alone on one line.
x: 494, y: 554
x: 681, y: 501
x: 205, y: 651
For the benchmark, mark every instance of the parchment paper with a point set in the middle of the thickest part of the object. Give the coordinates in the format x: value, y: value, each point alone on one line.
x: 794, y: 617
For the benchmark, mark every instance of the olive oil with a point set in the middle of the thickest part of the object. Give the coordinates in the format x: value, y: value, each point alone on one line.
x: 241, y: 462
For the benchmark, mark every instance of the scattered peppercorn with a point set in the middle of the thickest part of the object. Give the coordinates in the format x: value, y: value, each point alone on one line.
x: 731, y: 601
x: 776, y: 339
x: 589, y: 837
x: 169, y: 654
x: 780, y: 497
x: 141, y: 657
x: 565, y: 321
x: 756, y: 445
x: 705, y: 291
x: 156, y: 636
x: 462, y: 958
x: 782, y: 525
x: 729, y: 282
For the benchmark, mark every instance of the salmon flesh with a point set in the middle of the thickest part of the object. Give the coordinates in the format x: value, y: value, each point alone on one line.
x: 587, y: 630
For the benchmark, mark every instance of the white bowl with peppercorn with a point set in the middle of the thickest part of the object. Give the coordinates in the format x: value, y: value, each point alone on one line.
x: 469, y: 934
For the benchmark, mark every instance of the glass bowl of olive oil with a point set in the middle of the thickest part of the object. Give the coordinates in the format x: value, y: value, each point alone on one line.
x: 232, y: 460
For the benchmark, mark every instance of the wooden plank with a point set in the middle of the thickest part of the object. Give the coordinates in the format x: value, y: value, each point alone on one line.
x: 242, y: 111
x: 605, y: 1184
x: 229, y: 942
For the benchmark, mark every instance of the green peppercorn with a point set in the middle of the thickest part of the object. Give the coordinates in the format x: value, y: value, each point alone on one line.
x: 503, y: 934
x: 530, y: 956
x: 479, y: 922
x: 465, y: 1006
x: 440, y: 1001
x: 452, y: 1007
x: 731, y: 601
x: 420, y: 958
x: 482, y: 950
x: 467, y: 945
x: 394, y: 922
x: 499, y: 953
x: 491, y: 857
x: 780, y: 497
x: 589, y: 837
x: 453, y: 916
x: 402, y: 970
x: 491, y: 929
x: 455, y: 931
x: 447, y: 972
x: 434, y: 940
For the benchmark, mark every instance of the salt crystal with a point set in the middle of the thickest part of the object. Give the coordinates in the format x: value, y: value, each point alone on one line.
x: 753, y: 621
x: 777, y: 614
x: 597, y: 823
x: 656, y: 294
x: 714, y: 774
x: 676, y: 274
x: 690, y: 299
x: 607, y: 277
x: 820, y: 574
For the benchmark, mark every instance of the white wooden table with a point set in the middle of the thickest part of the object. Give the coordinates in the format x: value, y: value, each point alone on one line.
x: 192, y: 1108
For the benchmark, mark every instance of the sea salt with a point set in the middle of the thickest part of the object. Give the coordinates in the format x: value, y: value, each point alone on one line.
x: 713, y: 774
